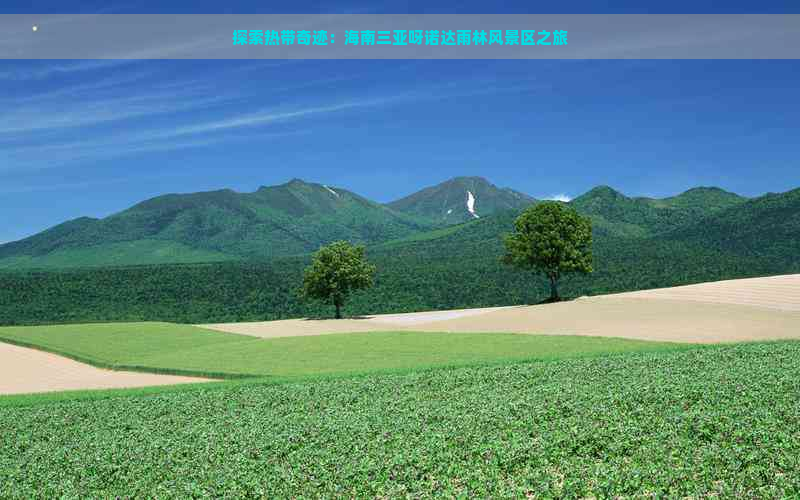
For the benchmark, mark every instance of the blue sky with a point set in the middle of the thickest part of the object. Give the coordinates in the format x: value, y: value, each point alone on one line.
x: 93, y: 137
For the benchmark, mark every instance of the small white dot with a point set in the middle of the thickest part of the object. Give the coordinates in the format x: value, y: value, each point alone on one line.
x: 35, y: 28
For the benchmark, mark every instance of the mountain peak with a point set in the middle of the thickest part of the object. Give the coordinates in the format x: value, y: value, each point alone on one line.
x: 597, y: 194
x: 294, y: 182
x: 468, y: 178
x: 706, y: 191
x: 604, y: 190
x: 460, y: 199
x: 703, y: 198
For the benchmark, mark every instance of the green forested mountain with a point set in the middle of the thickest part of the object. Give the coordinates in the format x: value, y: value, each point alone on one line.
x: 451, y: 267
x: 767, y: 227
x: 699, y: 199
x: 616, y: 214
x: 290, y: 219
x: 297, y: 217
x: 459, y: 200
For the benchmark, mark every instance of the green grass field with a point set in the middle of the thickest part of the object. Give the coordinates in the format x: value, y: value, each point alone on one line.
x: 170, y: 348
x: 720, y: 421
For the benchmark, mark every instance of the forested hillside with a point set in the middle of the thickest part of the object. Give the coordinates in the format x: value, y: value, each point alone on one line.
x: 452, y: 267
x: 614, y: 213
x: 290, y: 219
x: 767, y: 227
x: 298, y: 217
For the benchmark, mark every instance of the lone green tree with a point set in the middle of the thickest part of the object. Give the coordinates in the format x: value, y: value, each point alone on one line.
x: 337, y: 270
x: 553, y: 239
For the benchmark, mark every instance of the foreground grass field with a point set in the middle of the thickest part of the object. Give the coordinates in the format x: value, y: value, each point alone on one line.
x: 714, y: 421
x: 183, y: 349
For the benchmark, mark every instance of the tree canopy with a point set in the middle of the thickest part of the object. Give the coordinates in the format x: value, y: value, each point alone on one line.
x: 551, y: 238
x: 337, y: 270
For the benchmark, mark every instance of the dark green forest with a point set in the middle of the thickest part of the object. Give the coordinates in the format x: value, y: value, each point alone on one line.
x: 638, y: 244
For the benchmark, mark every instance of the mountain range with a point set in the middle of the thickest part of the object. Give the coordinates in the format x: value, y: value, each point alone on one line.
x: 298, y: 217
x: 226, y: 256
x: 275, y: 221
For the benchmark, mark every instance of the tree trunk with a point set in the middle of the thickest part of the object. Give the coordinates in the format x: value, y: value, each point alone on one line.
x: 338, y: 309
x: 554, y: 289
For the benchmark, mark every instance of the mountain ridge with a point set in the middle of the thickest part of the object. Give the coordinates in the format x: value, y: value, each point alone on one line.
x: 296, y: 217
x: 287, y: 219
x: 453, y: 267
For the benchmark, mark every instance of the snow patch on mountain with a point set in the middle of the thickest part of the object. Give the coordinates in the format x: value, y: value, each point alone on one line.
x: 471, y: 204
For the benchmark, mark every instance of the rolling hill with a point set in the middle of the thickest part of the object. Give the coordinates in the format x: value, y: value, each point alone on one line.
x: 767, y: 227
x: 616, y: 214
x: 451, y: 267
x: 701, y: 220
x: 289, y: 219
x: 298, y: 217
x: 275, y: 221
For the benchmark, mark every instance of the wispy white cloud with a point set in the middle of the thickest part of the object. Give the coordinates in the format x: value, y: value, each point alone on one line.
x: 78, y: 90
x: 475, y: 89
x: 153, y: 141
x: 40, y: 71
x: 59, y: 108
x: 558, y: 197
x: 196, y: 135
x: 269, y: 116
x: 69, y: 113
x: 23, y: 126
x: 63, y: 186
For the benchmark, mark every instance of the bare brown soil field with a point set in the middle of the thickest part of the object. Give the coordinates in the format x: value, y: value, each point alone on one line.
x: 24, y: 370
x: 777, y: 292
x: 726, y: 311
x: 381, y: 322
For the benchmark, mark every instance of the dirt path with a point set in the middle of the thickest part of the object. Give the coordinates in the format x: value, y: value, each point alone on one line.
x: 24, y: 370
x: 726, y: 311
